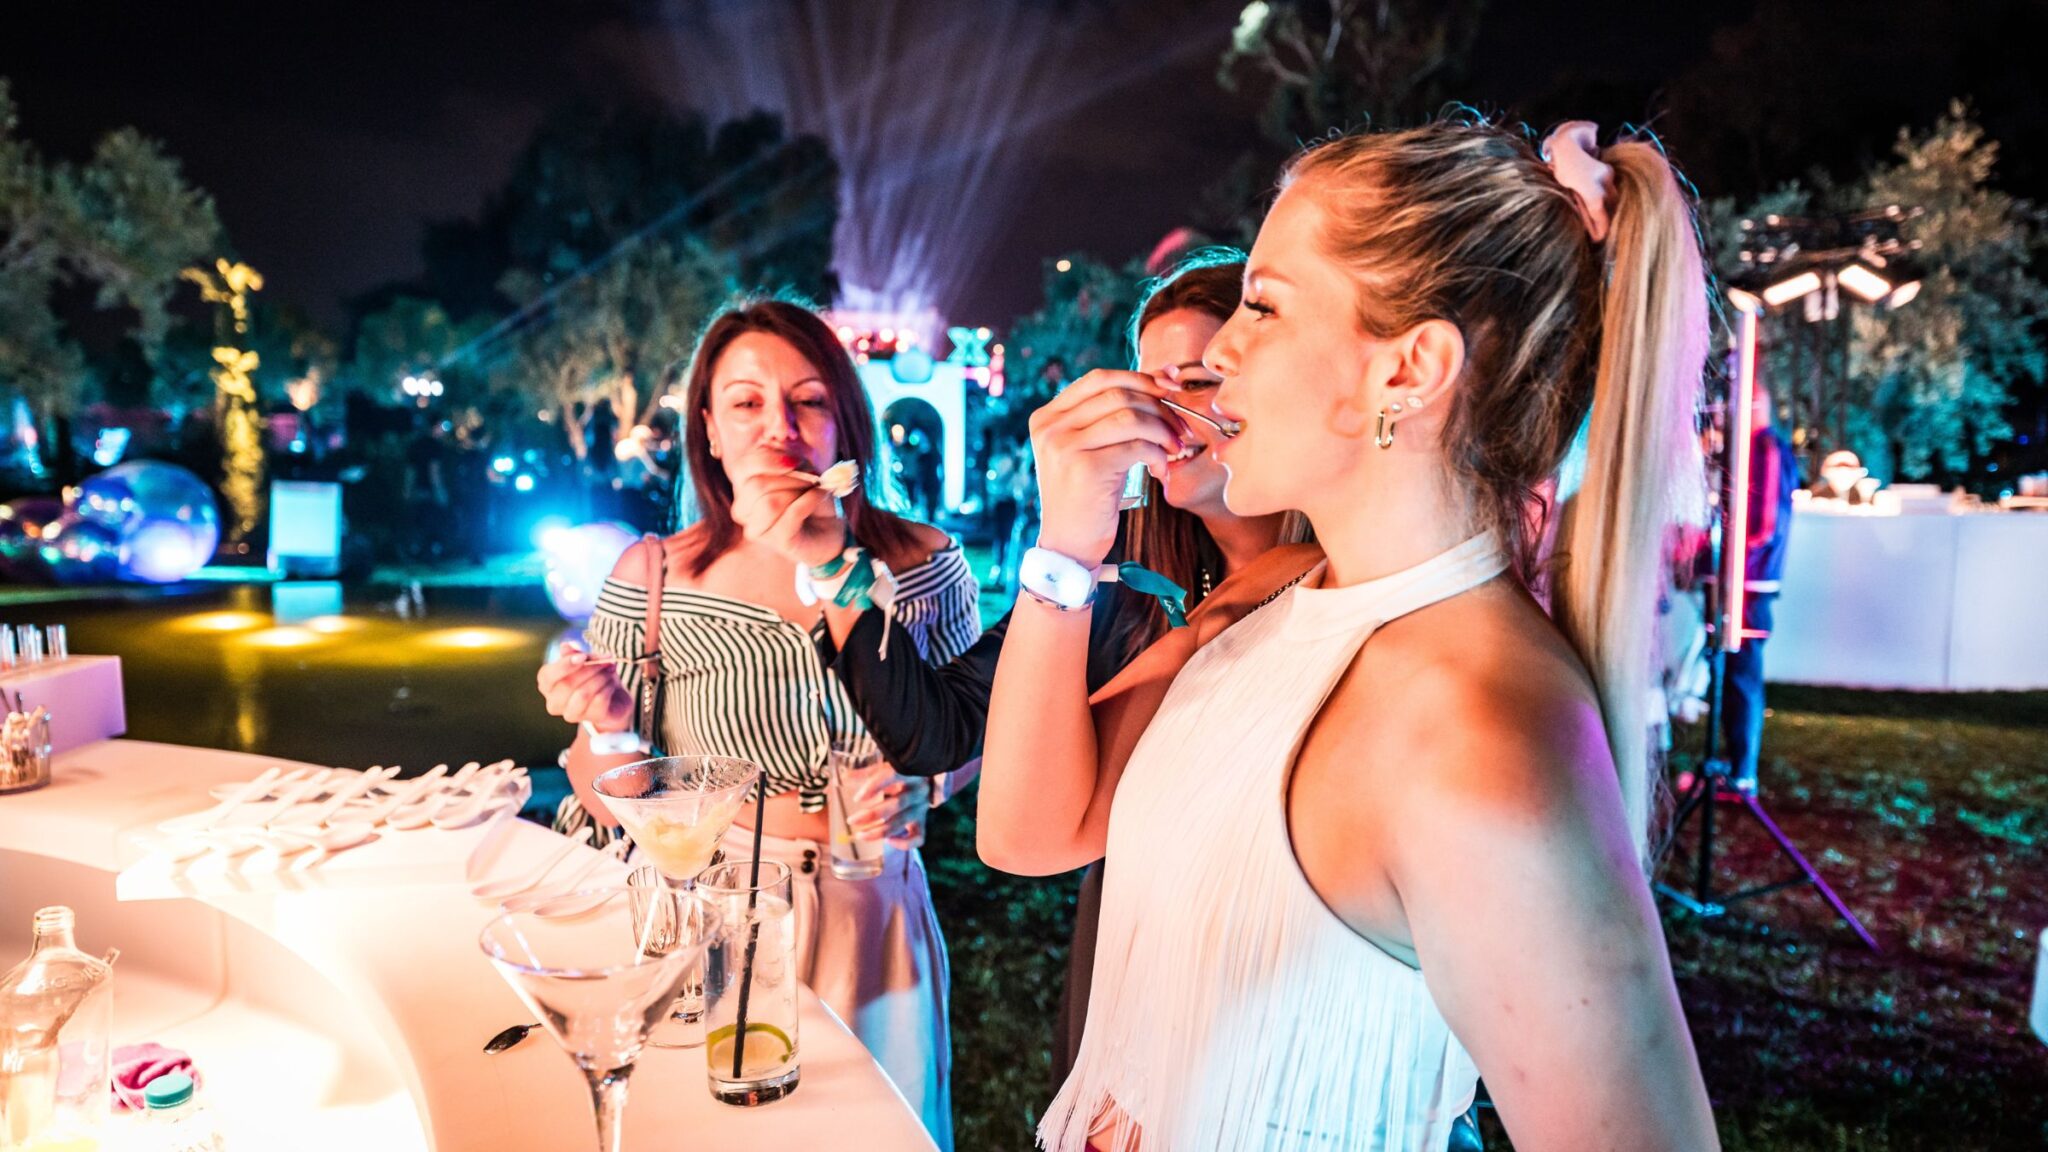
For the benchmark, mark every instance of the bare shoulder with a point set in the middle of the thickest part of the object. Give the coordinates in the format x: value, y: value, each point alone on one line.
x: 677, y: 551
x: 1488, y: 708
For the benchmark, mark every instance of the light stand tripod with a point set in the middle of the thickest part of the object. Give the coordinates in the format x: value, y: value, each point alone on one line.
x: 1712, y: 785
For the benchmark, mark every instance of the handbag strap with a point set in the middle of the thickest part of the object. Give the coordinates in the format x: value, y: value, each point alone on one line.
x: 650, y: 641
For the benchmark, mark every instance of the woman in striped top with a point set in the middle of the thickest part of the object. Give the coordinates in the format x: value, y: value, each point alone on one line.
x: 772, y: 401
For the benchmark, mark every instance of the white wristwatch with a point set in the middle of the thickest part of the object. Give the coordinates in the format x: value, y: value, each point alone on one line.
x: 1057, y: 579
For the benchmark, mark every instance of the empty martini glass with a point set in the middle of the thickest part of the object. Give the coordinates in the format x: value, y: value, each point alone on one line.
x: 599, y: 982
x: 677, y: 809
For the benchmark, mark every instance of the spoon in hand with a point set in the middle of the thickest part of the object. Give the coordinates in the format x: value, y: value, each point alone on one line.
x: 1223, y: 429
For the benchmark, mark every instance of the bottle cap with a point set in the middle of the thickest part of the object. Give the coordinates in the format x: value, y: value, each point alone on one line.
x: 168, y: 1091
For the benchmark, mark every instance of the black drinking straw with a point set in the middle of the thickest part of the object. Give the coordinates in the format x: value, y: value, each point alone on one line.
x: 739, y: 1031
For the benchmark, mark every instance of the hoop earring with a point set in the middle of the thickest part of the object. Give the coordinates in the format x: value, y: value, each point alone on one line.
x: 1384, y: 434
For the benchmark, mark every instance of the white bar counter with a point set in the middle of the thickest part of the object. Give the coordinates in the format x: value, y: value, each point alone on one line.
x: 351, y: 1012
x: 1940, y: 602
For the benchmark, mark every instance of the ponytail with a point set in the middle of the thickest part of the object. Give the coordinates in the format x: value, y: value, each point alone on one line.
x: 1572, y: 317
x: 1643, y: 463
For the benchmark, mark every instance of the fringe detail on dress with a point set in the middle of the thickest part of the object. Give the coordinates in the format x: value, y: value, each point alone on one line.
x: 1231, y: 1009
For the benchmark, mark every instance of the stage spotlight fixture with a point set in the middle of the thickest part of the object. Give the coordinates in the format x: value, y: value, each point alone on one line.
x: 1867, y: 285
x: 1792, y: 288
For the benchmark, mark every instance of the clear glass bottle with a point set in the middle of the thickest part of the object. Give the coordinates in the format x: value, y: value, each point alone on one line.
x: 56, y: 1018
x: 178, y: 1120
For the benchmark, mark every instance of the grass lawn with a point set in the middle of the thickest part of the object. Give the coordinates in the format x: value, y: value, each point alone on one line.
x: 1930, y: 815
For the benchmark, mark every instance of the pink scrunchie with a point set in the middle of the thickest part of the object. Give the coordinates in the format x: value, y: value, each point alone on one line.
x: 1573, y: 152
x: 135, y: 1065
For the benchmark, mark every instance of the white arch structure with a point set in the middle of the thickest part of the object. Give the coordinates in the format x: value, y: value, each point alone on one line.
x: 946, y: 392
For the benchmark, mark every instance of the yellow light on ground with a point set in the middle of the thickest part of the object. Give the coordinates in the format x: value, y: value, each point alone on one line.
x: 220, y: 621
x: 334, y: 625
x: 285, y: 637
x: 474, y: 639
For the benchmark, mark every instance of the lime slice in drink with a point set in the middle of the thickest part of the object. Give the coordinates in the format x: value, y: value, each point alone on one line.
x: 768, y: 1049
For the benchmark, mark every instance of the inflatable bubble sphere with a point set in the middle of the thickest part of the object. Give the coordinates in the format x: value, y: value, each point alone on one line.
x: 165, y: 518
x: 578, y: 560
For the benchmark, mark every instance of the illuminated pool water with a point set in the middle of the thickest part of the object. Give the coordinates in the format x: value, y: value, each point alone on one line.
x: 308, y: 672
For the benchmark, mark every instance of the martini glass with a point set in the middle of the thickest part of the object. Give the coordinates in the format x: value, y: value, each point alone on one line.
x: 677, y: 809
x: 599, y: 982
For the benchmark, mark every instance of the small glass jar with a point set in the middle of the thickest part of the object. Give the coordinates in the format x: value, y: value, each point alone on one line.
x: 178, y: 1120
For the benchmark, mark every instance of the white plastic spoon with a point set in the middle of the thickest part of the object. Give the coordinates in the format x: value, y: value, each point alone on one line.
x: 484, y: 795
x: 240, y: 795
x: 492, y: 842
x: 362, y: 783
x: 320, y: 830
x: 573, y: 899
x: 500, y: 889
x: 188, y: 828
x: 404, y: 793
x: 239, y: 841
x: 419, y: 812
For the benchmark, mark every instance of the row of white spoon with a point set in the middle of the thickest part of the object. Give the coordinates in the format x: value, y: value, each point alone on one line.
x: 580, y: 891
x: 331, y: 809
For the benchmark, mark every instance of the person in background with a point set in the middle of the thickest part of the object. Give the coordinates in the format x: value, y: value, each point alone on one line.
x: 426, y: 490
x: 1840, y: 474
x: 641, y: 479
x: 930, y: 720
x: 1011, y: 492
x: 1773, y: 477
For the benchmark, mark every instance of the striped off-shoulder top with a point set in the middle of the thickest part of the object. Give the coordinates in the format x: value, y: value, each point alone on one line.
x: 740, y: 680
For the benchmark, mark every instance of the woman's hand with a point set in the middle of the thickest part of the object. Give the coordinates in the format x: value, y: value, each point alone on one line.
x: 888, y: 806
x: 1085, y: 440
x: 582, y: 692
x: 790, y: 514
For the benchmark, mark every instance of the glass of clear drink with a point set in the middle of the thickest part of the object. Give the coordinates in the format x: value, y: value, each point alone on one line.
x: 1135, y: 490
x: 849, y: 765
x: 677, y: 810
x: 597, y: 983
x: 750, y: 983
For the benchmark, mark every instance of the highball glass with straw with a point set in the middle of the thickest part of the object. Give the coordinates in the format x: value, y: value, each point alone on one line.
x: 750, y: 982
x: 599, y: 981
x: 677, y: 809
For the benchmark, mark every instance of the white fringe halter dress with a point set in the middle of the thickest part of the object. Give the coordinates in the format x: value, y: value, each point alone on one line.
x: 1232, y: 1010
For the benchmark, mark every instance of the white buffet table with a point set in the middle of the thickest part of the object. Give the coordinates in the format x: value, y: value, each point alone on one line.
x: 352, y: 1015
x: 1945, y: 602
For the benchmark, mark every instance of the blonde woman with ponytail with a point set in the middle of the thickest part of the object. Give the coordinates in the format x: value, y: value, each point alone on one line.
x: 1394, y: 824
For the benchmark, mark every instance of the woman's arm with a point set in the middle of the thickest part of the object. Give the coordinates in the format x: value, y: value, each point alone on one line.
x: 926, y: 719
x: 1539, y: 939
x: 583, y: 766
x: 1044, y: 804
x: 1503, y: 847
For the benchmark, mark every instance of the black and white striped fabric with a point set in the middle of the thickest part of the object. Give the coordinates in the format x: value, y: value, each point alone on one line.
x: 739, y: 680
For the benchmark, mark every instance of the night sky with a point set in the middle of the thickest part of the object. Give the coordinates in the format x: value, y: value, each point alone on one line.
x: 328, y: 132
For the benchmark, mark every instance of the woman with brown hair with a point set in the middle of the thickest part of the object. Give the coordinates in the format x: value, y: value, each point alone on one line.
x: 1395, y: 825
x: 929, y: 720
x: 772, y: 402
